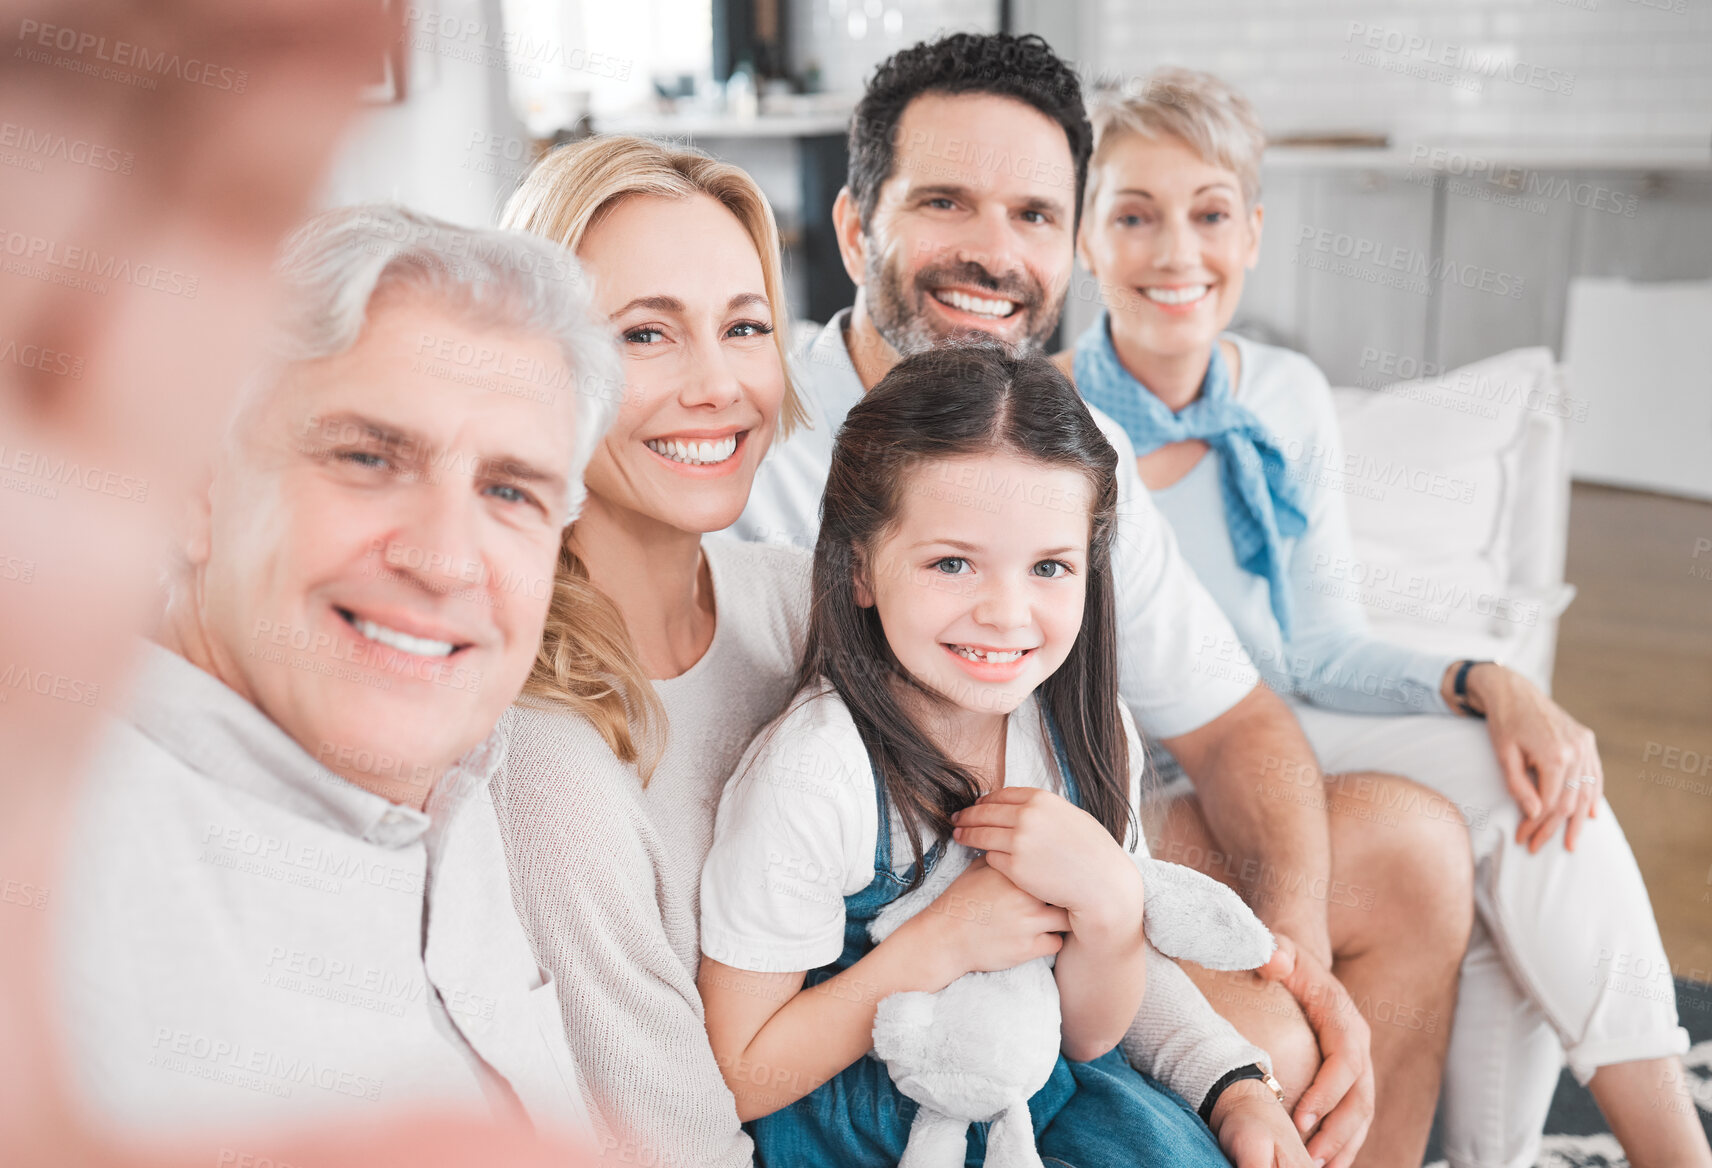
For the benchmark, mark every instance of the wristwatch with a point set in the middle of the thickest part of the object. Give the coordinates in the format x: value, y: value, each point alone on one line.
x: 1460, y: 686
x: 1251, y: 1071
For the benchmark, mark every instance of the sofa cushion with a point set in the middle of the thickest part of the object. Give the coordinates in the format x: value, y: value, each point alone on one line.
x: 1437, y: 479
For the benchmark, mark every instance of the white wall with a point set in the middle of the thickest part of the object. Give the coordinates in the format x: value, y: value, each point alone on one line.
x: 1640, y: 355
x: 1577, y: 71
x: 443, y: 150
x: 1600, y: 164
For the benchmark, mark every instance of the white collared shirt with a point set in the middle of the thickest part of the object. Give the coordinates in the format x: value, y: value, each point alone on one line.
x: 1182, y: 663
x: 245, y: 936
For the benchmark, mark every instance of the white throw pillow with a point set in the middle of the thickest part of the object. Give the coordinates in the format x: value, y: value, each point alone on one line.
x: 1433, y: 468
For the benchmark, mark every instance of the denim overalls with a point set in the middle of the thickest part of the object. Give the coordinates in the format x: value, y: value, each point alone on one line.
x: 1098, y: 1114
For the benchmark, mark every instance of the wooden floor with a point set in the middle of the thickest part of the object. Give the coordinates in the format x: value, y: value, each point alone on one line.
x: 1634, y: 663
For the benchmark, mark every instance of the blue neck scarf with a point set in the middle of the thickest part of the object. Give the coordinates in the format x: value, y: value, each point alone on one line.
x: 1264, y: 506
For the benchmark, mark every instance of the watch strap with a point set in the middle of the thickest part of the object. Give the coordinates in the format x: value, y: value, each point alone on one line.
x: 1460, y: 687
x: 1236, y: 1075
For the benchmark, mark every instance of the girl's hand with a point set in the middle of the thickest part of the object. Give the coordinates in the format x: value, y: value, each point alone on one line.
x: 1254, y: 1131
x: 984, y: 923
x: 1054, y: 850
x: 1550, y: 761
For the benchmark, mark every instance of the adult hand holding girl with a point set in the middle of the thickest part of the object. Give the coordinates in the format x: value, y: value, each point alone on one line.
x: 1336, y: 1110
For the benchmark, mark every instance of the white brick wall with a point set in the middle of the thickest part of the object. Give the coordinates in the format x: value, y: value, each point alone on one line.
x: 1414, y: 69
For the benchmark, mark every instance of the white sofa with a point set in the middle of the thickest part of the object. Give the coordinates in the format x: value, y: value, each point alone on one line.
x: 1461, y: 548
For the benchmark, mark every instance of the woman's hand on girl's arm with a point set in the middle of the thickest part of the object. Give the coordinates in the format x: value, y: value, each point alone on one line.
x: 1054, y: 850
x: 776, y: 1041
x: 1254, y: 1130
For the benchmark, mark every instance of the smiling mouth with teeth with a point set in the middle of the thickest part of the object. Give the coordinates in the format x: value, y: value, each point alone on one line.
x: 393, y: 639
x: 989, y: 656
x: 992, y: 308
x: 1186, y: 295
x: 694, y: 452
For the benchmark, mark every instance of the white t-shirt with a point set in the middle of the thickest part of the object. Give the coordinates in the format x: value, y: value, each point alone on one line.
x: 795, y: 834
x: 1182, y: 663
x: 797, y: 826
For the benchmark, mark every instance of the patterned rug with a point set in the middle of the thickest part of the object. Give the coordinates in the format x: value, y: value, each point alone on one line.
x: 1576, y: 1134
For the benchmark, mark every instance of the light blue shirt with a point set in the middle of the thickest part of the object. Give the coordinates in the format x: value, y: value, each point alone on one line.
x: 1332, y: 659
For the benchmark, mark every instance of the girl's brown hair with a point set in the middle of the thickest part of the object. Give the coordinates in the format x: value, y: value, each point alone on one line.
x: 953, y: 403
x: 587, y: 662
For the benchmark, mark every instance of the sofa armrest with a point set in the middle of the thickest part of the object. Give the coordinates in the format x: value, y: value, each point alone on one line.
x: 1539, y: 520
x: 1538, y: 530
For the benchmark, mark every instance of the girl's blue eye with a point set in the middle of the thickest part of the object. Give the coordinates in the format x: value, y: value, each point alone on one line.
x: 1216, y: 217
x: 951, y: 565
x: 634, y: 336
x: 1129, y: 220
x: 1052, y: 569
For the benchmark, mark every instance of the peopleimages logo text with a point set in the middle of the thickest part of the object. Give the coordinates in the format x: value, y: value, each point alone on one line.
x: 1471, y: 59
x: 1372, y: 255
x: 60, y: 471
x: 128, y: 55
x: 64, y: 148
x: 1481, y: 178
x: 87, y: 261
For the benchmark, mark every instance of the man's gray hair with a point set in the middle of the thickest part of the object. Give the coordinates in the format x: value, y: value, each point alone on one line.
x: 335, y: 267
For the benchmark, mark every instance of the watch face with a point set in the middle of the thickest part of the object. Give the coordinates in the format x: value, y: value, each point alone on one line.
x: 1277, y: 1087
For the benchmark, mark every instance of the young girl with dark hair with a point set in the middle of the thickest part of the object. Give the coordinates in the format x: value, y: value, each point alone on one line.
x: 960, y: 683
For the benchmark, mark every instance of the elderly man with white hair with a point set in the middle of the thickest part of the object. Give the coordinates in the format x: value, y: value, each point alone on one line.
x: 284, y: 891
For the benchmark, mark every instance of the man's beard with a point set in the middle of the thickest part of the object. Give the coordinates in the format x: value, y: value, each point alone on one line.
x: 900, y: 314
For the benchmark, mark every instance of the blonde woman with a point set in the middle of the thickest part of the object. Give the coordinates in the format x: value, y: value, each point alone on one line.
x: 664, y: 651
x: 1170, y: 227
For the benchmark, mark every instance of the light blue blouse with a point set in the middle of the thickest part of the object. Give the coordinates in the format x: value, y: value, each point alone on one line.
x: 1332, y: 658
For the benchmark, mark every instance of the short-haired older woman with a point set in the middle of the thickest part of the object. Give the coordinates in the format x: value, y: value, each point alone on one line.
x: 665, y: 651
x: 1170, y: 227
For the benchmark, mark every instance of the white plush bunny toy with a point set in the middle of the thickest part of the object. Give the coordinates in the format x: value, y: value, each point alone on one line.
x: 976, y: 1050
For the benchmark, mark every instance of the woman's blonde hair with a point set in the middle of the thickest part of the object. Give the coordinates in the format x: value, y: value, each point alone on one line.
x: 1200, y: 110
x: 587, y: 662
